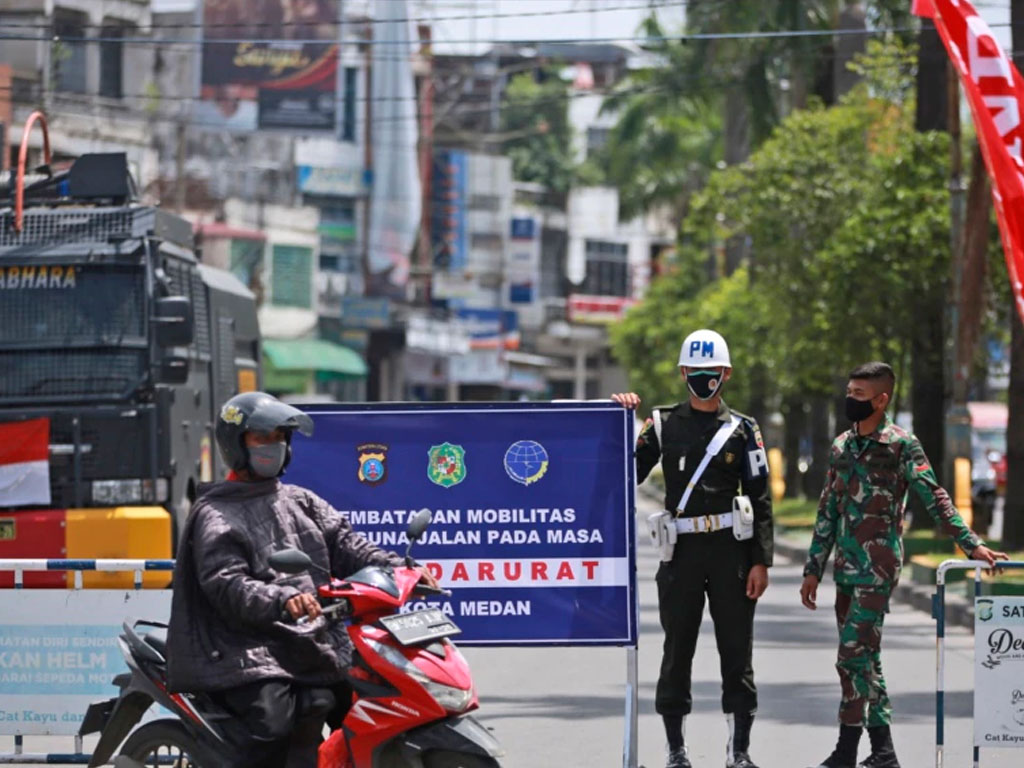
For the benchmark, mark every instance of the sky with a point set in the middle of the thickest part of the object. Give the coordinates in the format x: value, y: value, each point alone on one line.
x: 588, y: 19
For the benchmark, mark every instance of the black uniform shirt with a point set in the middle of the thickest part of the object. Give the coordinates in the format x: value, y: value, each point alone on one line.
x: 741, y: 463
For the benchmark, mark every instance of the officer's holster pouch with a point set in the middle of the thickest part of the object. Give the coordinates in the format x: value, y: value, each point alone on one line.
x: 742, y: 518
x: 662, y: 527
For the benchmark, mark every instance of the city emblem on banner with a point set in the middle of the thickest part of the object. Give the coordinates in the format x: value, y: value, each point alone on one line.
x: 372, y: 463
x: 526, y: 461
x: 446, y: 465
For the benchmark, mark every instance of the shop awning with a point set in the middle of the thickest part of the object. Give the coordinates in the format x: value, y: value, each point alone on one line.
x: 314, y: 355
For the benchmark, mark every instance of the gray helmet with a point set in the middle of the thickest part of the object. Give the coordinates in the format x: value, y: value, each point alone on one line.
x: 255, y: 412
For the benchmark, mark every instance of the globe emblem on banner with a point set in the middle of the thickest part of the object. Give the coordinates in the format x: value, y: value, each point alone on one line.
x: 526, y: 461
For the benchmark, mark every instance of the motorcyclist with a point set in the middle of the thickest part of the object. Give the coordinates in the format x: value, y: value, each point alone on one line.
x: 228, y: 633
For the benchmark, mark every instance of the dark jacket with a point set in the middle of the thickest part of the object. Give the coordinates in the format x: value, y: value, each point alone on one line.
x: 225, y: 628
x: 741, y: 464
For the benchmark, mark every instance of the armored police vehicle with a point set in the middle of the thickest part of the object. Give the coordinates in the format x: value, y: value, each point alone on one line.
x: 116, y: 347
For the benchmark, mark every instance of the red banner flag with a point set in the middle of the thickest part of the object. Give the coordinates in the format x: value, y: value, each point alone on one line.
x: 995, y: 92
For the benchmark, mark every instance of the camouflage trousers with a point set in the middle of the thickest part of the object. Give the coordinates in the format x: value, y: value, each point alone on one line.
x: 860, y: 612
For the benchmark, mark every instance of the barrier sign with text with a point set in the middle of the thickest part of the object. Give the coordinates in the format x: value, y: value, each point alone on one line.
x: 999, y: 672
x: 59, y: 652
x: 533, y: 526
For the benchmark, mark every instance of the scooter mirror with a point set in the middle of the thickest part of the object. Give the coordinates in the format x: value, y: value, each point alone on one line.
x: 290, y: 561
x: 419, y: 524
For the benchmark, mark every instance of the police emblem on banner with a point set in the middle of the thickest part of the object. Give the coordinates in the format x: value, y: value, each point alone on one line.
x: 526, y: 461
x: 372, y: 463
x: 446, y: 465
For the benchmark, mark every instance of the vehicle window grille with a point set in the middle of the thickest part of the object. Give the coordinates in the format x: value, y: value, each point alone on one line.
x: 60, y: 304
x: 201, y: 312
x: 26, y: 374
x: 66, y: 226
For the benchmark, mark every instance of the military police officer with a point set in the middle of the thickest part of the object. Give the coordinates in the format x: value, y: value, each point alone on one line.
x: 871, y: 468
x: 716, y: 539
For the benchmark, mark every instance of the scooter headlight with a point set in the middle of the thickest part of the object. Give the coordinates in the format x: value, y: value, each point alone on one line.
x: 447, y: 697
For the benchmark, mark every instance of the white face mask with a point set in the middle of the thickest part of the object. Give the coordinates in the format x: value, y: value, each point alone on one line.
x: 267, y: 461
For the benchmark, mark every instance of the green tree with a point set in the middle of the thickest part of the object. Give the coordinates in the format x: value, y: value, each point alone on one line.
x: 536, y: 112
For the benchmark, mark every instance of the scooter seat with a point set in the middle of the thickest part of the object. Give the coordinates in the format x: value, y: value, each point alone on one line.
x: 157, y: 640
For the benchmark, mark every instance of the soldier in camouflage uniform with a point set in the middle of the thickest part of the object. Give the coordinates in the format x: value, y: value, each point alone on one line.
x: 871, y: 469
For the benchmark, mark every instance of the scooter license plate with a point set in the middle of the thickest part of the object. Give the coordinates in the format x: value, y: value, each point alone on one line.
x: 420, y: 626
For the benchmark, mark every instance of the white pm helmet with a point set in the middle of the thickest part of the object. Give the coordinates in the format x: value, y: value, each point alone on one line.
x: 704, y: 349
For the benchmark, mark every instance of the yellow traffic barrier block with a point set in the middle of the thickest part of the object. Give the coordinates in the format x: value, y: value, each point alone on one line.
x: 962, y: 489
x: 135, y: 533
x: 776, y: 474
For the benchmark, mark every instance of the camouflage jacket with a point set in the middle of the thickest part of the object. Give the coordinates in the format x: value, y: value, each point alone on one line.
x: 862, y: 505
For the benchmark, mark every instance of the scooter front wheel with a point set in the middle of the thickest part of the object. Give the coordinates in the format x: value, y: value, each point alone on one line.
x: 441, y: 759
x: 162, y: 742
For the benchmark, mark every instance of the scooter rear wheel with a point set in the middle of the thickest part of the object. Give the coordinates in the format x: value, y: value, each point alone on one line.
x: 439, y: 759
x: 160, y: 743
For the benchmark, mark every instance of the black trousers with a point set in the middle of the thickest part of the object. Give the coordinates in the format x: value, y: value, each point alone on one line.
x: 717, y: 565
x: 281, y: 723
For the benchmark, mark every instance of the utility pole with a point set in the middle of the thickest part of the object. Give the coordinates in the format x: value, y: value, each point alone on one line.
x: 1013, y: 511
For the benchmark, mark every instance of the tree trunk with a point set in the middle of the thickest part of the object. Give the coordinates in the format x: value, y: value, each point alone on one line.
x: 928, y: 394
x: 793, y: 415
x: 975, y: 273
x: 737, y: 149
x: 1013, y: 512
x: 931, y: 80
x: 821, y: 441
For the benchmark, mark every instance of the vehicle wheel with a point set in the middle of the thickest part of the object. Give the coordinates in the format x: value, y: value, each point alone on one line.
x: 162, y: 742
x: 439, y: 759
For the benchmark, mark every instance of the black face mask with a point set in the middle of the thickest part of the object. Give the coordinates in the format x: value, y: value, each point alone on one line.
x: 858, y: 410
x: 704, y: 384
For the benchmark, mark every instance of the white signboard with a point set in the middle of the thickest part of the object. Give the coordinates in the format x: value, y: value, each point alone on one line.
x: 59, y: 652
x: 999, y: 672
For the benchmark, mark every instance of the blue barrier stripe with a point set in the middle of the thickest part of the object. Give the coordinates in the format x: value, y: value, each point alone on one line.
x: 940, y: 626
x: 159, y: 565
x: 56, y: 757
x: 71, y: 565
x: 939, y: 718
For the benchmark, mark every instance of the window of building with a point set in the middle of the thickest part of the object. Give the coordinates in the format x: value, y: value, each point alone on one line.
x: 597, y: 139
x: 348, y: 125
x: 67, y: 52
x: 246, y: 258
x: 293, y: 276
x: 607, y: 269
x: 491, y: 203
x: 112, y: 60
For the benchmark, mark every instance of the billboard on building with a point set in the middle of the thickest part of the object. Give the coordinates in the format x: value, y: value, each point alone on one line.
x: 269, y: 64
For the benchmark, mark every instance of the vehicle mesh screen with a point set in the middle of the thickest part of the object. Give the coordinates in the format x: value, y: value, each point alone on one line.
x: 26, y: 374
x: 47, y: 305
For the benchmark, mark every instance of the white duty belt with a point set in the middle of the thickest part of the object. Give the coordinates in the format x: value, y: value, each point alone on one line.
x: 704, y: 523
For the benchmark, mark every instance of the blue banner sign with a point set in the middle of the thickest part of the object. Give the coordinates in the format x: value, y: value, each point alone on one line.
x: 533, y: 527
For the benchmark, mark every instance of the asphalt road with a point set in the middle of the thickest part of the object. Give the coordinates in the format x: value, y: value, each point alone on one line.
x: 561, y: 707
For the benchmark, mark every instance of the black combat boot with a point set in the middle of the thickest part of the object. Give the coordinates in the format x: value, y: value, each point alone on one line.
x: 883, y: 754
x: 675, y: 728
x: 739, y: 740
x: 845, y: 753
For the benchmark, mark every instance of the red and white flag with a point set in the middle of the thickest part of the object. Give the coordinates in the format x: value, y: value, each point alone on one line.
x: 25, y: 462
x: 995, y: 92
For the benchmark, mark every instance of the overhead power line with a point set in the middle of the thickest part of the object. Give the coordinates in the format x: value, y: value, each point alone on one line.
x: 647, y: 5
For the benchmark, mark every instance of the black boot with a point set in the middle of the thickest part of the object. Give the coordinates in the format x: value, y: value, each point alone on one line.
x: 883, y: 754
x: 739, y: 740
x: 675, y: 728
x: 845, y: 753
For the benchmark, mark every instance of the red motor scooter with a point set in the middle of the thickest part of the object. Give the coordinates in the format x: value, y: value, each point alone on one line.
x: 412, y: 689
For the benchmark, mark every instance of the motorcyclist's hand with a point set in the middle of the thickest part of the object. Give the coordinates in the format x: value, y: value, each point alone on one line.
x: 428, y: 577
x: 303, y: 605
x: 757, y: 581
x: 809, y: 592
x: 629, y: 399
